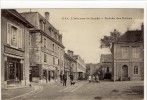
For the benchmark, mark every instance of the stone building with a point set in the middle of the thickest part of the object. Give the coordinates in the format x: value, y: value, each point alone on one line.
x: 106, y: 65
x: 70, y: 66
x: 46, y: 51
x: 14, y: 49
x: 129, y: 56
x: 81, y: 67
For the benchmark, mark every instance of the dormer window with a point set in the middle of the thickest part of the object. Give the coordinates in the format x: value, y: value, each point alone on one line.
x: 42, y: 24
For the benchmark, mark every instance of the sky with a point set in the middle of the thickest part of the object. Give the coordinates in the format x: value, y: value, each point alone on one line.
x: 82, y: 29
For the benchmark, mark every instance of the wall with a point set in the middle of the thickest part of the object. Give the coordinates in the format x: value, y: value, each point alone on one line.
x: 130, y: 62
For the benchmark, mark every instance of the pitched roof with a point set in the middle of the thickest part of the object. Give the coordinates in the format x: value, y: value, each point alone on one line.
x: 17, y: 15
x: 131, y: 36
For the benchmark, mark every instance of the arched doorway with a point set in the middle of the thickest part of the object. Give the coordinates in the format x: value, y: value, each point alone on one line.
x: 124, y: 72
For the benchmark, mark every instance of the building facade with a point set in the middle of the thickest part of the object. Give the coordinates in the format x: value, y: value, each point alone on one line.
x: 46, y: 51
x: 129, y: 56
x: 106, y: 65
x: 14, y: 49
x: 70, y: 66
x: 81, y: 67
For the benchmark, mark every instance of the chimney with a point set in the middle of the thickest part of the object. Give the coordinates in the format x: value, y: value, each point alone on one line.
x: 47, y: 15
x: 70, y: 53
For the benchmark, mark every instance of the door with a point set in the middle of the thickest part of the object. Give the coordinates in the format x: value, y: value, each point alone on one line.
x: 13, y: 72
x: 124, y: 72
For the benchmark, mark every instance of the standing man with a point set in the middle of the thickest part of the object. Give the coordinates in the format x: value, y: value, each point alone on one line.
x: 64, y: 79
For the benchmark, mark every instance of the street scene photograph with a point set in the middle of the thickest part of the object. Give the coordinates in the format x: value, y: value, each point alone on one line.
x: 72, y: 54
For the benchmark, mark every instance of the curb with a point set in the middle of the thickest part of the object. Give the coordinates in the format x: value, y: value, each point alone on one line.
x: 33, y: 92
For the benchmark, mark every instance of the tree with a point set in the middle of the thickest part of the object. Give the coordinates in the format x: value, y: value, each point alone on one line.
x: 108, y: 41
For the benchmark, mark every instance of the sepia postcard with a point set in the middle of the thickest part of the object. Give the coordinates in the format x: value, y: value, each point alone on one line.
x: 73, y: 53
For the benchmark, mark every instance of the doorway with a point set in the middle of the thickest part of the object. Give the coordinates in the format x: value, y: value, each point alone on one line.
x: 14, y: 71
x: 124, y: 72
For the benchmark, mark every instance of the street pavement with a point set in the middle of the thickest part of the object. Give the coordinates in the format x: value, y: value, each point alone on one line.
x: 125, y: 90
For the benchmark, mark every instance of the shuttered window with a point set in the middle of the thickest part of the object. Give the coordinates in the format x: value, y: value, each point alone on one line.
x: 14, y: 36
x: 125, y: 52
x: 135, y: 52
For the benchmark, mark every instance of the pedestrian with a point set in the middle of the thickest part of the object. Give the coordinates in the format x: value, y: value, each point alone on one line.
x: 97, y: 78
x: 61, y: 78
x: 89, y: 78
x: 71, y: 79
x: 93, y: 78
x: 64, y: 79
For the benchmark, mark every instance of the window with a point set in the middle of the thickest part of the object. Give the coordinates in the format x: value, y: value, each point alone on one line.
x: 135, y: 69
x: 14, y: 36
x: 58, y: 61
x: 124, y: 52
x: 45, y: 43
x: 57, y: 38
x: 50, y: 30
x: 53, y: 47
x: 42, y: 25
x: 135, y: 52
x: 53, y: 61
x: 45, y: 57
x: 58, y: 51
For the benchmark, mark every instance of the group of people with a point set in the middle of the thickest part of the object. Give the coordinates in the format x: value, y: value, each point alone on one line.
x: 63, y: 79
x: 93, y: 78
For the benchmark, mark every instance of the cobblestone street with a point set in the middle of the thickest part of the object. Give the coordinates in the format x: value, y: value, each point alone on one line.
x: 84, y: 90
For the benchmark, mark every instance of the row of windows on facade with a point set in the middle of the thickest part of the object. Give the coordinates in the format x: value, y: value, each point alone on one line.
x: 15, y: 36
x: 53, y: 46
x: 135, y: 52
x: 55, y: 60
x: 52, y: 33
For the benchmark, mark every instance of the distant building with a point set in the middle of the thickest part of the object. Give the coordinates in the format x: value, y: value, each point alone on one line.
x: 81, y: 67
x: 106, y: 65
x: 14, y: 49
x: 70, y: 64
x: 129, y: 56
x: 46, y: 51
x: 91, y: 68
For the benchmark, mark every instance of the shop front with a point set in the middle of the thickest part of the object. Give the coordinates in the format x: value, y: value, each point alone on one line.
x: 42, y: 73
x: 13, y: 71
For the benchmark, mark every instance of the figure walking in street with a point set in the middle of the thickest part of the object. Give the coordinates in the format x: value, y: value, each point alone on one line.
x: 93, y: 78
x: 89, y: 78
x: 97, y: 79
x: 72, y: 79
x: 64, y: 79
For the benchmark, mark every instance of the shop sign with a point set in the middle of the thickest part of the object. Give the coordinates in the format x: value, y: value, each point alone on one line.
x: 13, y: 51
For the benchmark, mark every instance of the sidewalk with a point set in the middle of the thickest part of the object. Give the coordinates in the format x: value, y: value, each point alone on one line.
x: 10, y: 93
x: 16, y: 93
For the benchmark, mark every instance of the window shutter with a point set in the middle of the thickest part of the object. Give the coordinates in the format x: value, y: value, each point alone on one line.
x: 23, y: 39
x: 21, y: 65
x: 5, y: 68
x: 8, y: 33
x: 20, y: 38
